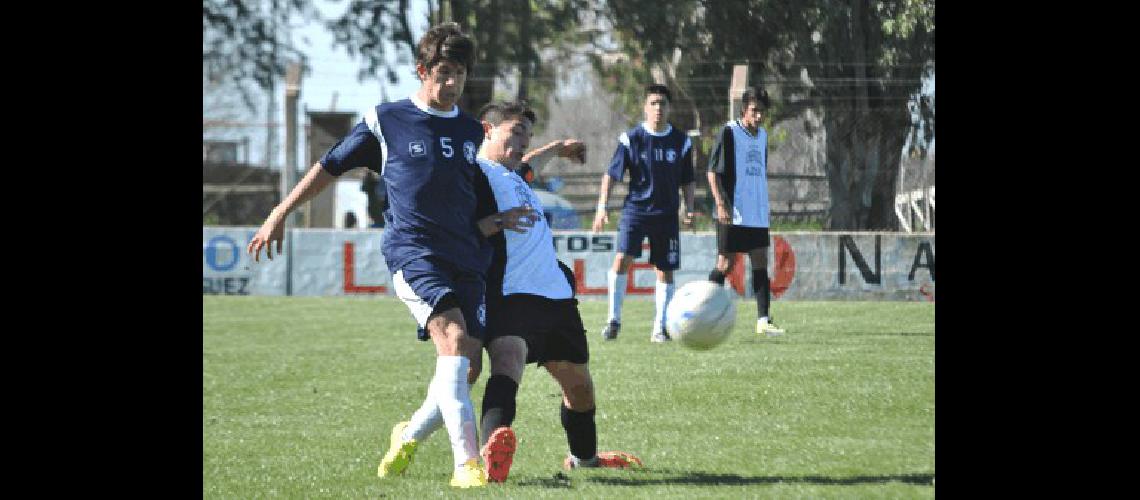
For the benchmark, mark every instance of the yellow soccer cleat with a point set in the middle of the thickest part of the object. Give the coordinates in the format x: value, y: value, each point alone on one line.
x: 763, y: 327
x: 399, y: 454
x: 469, y: 475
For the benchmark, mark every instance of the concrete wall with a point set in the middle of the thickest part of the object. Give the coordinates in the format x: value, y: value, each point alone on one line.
x: 802, y: 265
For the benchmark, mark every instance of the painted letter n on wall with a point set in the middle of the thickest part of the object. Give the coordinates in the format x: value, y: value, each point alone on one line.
x: 873, y: 278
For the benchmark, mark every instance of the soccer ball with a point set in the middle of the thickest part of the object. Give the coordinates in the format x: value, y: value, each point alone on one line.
x: 701, y: 314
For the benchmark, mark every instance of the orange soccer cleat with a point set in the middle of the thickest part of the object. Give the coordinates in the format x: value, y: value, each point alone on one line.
x: 612, y: 459
x: 498, y: 454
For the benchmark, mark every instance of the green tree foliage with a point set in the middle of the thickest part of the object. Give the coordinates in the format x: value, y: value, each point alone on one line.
x: 247, y: 41
x: 527, y: 35
x: 853, y: 62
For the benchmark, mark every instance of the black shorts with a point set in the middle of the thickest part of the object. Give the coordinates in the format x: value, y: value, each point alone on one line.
x: 736, y: 239
x: 552, y: 329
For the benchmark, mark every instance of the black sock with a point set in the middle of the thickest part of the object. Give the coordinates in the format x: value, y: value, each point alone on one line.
x: 581, y: 432
x: 498, y: 405
x: 761, y: 289
x: 717, y: 277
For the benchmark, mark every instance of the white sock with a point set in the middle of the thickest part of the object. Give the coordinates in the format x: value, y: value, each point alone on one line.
x: 616, y: 284
x: 449, y: 390
x: 426, y: 420
x: 762, y: 319
x: 664, y: 295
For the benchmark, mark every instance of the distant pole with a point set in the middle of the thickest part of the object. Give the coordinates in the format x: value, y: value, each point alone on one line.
x: 736, y: 89
x: 270, y: 115
x: 292, y: 95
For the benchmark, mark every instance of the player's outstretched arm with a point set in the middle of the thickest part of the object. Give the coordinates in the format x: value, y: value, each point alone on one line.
x: 273, y: 229
x: 571, y: 149
x: 601, y: 216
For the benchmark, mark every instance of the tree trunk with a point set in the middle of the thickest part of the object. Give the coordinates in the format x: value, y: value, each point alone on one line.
x: 882, y: 216
x: 480, y: 85
x: 839, y: 166
x: 863, y: 142
x: 524, y: 43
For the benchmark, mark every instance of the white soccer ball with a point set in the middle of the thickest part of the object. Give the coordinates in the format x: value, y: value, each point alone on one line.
x: 701, y: 314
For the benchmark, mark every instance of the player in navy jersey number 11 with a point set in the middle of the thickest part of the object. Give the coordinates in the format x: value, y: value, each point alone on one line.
x: 658, y: 159
x: 424, y: 148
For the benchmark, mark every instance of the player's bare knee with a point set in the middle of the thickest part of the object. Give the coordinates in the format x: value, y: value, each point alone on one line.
x: 577, y: 385
x: 508, y: 357
x: 580, y: 397
x: 448, y: 332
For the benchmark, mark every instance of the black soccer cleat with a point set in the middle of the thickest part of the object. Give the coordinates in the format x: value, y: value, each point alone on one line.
x: 610, y: 332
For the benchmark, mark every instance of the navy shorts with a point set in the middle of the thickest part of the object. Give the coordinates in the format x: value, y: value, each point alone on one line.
x: 429, y: 286
x: 664, y: 239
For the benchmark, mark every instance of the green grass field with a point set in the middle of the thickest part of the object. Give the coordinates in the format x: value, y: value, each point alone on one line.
x: 299, y: 395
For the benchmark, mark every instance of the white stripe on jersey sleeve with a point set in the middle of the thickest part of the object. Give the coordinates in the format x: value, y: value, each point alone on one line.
x: 688, y: 144
x: 373, y: 122
x: 624, y: 140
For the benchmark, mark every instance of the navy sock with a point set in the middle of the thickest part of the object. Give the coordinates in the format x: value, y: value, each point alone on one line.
x: 498, y: 405
x: 581, y: 432
x: 762, y: 291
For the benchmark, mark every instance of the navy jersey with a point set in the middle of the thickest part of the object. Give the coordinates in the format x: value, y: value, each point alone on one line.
x: 658, y: 164
x: 427, y: 160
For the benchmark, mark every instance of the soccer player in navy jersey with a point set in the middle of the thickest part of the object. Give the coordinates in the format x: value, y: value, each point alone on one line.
x: 424, y: 148
x: 658, y: 158
x: 738, y: 176
x: 532, y: 313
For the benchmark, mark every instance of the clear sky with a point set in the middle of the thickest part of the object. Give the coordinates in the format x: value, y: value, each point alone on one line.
x: 334, y: 71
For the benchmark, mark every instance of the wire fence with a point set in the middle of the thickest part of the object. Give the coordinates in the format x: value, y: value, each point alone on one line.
x: 243, y: 157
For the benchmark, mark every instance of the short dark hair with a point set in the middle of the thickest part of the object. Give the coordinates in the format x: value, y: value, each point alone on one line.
x: 445, y: 41
x: 751, y: 94
x: 657, y: 88
x: 498, y: 112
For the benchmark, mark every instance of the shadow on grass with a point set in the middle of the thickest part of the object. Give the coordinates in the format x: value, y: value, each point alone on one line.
x: 896, y: 334
x: 709, y: 479
x: 785, y: 340
x: 558, y: 480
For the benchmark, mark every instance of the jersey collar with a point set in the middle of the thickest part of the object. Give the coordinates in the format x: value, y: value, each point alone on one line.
x: 745, y: 129
x: 668, y: 128
x: 434, y: 112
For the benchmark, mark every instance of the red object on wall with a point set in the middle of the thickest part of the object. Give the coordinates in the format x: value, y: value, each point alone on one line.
x: 785, y: 268
x: 350, y: 285
x: 736, y: 277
